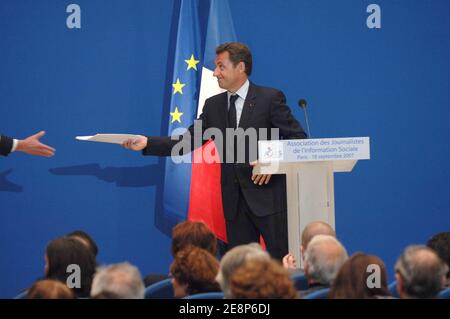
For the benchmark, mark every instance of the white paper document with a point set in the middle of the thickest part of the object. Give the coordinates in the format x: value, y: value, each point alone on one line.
x: 108, y: 138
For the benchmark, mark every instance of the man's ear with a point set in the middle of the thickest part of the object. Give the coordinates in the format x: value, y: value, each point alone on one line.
x: 241, y: 66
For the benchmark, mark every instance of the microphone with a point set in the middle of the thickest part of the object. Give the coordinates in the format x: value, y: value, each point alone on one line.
x: 302, y: 104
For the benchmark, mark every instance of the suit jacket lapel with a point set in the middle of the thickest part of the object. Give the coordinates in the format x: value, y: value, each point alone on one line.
x: 249, y: 105
x: 223, y: 109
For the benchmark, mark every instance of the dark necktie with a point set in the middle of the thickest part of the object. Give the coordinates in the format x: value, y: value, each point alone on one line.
x: 232, y: 111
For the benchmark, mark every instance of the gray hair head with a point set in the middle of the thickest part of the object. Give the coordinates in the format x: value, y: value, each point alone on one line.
x: 235, y: 258
x: 422, y: 272
x: 324, y: 258
x: 121, y: 280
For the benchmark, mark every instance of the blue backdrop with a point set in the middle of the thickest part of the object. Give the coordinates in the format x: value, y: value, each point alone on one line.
x: 114, y: 75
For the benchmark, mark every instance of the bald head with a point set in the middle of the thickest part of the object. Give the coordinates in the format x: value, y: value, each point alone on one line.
x: 426, y: 258
x: 316, y: 228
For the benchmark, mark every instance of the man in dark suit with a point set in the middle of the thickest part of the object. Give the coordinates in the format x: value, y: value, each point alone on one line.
x: 31, y: 145
x: 253, y: 205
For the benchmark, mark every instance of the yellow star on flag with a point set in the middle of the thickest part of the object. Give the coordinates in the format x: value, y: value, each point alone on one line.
x: 176, y: 116
x: 177, y: 87
x: 192, y: 63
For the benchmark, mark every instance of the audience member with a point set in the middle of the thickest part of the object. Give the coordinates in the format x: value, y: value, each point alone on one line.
x: 440, y: 243
x: 194, y: 271
x: 262, y: 278
x: 235, y: 258
x: 195, y: 234
x: 360, y: 277
x: 184, y: 234
x: 49, y: 289
x: 311, y: 230
x: 420, y: 273
x: 86, y: 239
x: 63, y: 252
x: 118, y: 281
x: 324, y: 257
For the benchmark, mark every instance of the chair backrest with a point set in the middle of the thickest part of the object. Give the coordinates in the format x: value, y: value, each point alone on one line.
x: 300, y: 281
x: 393, y: 289
x: 318, y: 294
x: 206, y: 295
x: 444, y: 294
x: 22, y: 295
x: 160, y: 290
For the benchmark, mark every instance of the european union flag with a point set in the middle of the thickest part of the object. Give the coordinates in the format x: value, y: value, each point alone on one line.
x: 201, y: 196
x: 183, y: 106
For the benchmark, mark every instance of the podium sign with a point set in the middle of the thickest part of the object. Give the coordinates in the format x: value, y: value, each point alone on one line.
x: 313, y: 150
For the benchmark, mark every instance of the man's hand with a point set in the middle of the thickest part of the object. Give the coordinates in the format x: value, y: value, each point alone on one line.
x: 289, y: 262
x: 260, y: 178
x: 32, y: 146
x: 136, y: 144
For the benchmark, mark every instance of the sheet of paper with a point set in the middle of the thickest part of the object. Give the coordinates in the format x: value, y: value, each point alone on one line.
x: 107, y: 138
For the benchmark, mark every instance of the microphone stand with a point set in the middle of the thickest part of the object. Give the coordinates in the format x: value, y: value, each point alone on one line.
x: 302, y: 104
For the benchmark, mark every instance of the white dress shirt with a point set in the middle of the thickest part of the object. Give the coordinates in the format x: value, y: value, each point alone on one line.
x: 14, y: 146
x: 242, y: 94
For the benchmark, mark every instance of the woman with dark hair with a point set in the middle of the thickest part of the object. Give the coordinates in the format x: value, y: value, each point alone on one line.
x: 361, y: 277
x: 63, y: 252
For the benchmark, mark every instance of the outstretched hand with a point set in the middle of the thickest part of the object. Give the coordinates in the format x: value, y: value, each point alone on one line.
x: 136, y: 144
x: 31, y: 145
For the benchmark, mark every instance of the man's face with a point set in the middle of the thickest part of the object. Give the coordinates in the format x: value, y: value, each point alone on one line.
x: 228, y: 75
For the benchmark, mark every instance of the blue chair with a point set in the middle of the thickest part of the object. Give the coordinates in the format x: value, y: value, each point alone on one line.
x: 393, y: 289
x: 160, y: 290
x: 444, y: 294
x: 300, y: 281
x: 319, y: 294
x: 206, y: 295
x: 22, y: 295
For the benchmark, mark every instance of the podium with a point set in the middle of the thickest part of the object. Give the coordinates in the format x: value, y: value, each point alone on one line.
x: 309, y: 166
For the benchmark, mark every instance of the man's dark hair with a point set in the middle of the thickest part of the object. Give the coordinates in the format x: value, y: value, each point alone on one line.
x: 238, y: 52
x: 64, y: 251
x: 440, y: 243
x: 85, y: 237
